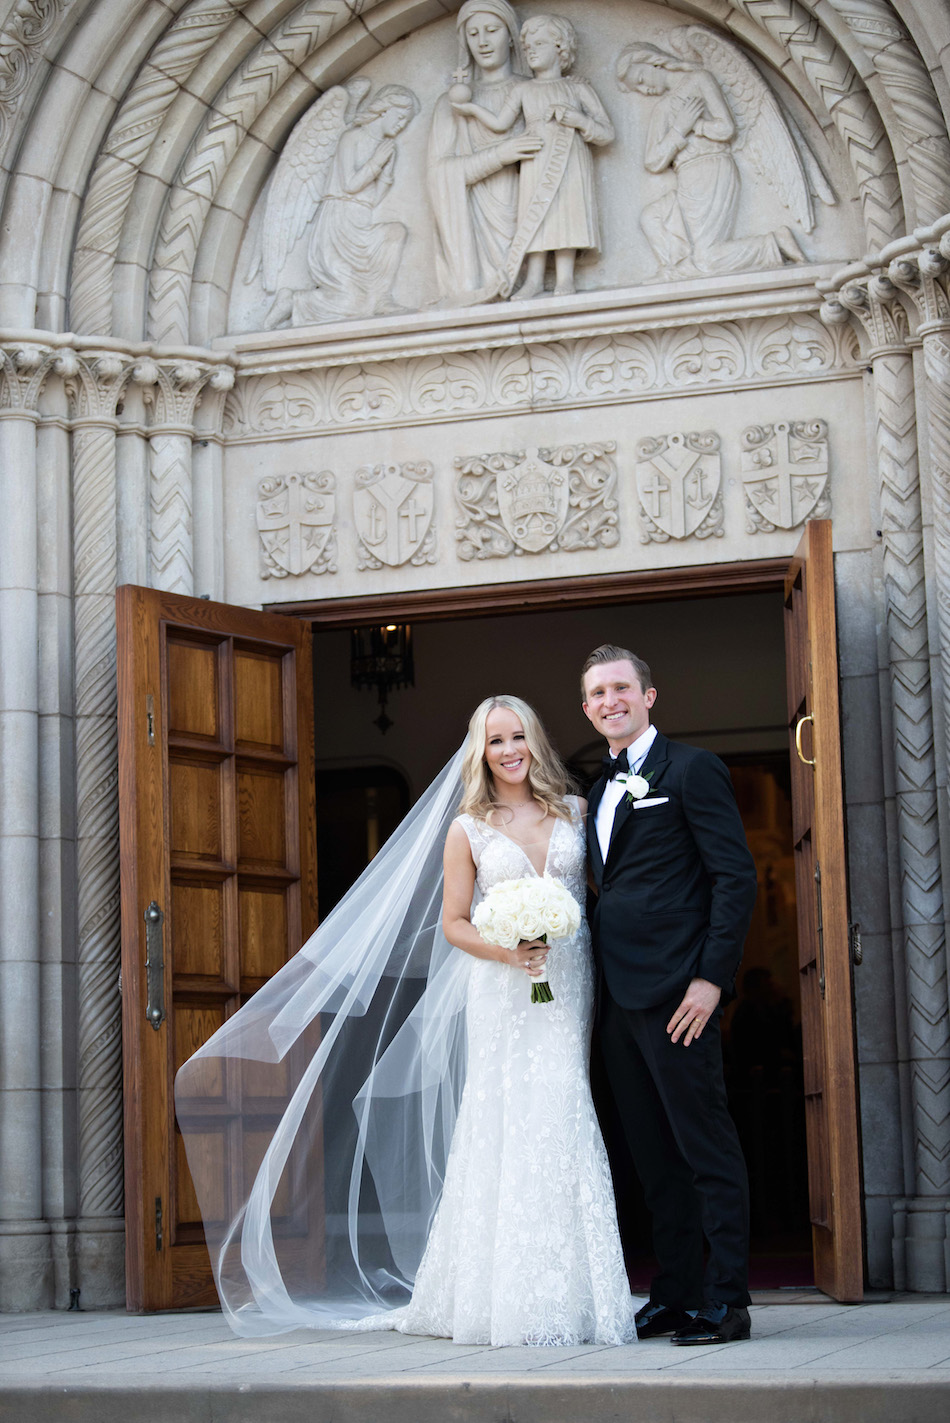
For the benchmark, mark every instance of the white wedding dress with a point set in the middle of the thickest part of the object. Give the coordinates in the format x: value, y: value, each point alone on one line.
x: 524, y: 1247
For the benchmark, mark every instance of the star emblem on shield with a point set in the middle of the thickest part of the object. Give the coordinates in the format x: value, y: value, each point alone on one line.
x: 785, y: 472
x: 295, y: 514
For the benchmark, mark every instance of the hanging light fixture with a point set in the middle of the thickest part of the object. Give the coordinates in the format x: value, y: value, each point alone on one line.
x: 381, y: 657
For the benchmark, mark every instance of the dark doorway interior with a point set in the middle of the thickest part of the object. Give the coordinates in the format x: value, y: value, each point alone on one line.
x: 719, y: 664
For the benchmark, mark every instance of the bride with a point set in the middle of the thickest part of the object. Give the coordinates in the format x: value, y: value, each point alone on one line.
x: 390, y: 1134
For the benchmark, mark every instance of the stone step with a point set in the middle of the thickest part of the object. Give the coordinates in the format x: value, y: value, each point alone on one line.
x: 615, y: 1398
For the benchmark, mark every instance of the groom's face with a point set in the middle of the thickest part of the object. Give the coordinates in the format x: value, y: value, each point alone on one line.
x: 616, y: 704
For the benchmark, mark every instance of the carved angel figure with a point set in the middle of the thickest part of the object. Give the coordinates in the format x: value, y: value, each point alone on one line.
x: 712, y: 103
x: 336, y: 167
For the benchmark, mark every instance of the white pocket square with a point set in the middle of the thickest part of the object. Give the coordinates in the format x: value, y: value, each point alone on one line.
x: 653, y: 800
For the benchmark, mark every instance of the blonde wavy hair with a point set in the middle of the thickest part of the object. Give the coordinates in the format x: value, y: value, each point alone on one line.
x: 546, y: 776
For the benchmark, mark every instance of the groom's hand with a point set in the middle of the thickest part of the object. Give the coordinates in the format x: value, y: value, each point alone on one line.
x: 699, y: 1003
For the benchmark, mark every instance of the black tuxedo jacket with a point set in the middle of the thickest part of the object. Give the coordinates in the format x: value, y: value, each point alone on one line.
x: 677, y: 892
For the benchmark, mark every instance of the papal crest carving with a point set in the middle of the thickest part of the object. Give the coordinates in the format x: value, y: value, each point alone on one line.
x: 295, y: 514
x: 679, y: 484
x: 537, y: 500
x: 532, y: 502
x: 785, y: 474
x: 392, y: 510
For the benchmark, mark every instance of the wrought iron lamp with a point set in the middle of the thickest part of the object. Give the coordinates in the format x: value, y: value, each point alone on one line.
x: 381, y: 657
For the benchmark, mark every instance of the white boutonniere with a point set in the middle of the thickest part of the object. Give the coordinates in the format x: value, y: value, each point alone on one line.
x: 635, y: 786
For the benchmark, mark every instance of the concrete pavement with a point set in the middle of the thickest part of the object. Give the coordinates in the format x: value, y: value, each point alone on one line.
x: 810, y: 1360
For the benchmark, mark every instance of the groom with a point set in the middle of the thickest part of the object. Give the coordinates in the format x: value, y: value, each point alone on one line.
x: 676, y: 886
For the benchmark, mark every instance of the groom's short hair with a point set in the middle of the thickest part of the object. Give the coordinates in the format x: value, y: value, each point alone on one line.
x: 607, y: 652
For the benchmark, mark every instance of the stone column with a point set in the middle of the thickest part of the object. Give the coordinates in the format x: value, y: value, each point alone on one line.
x: 96, y: 386
x: 208, y: 475
x: 922, y: 1222
x: 26, y: 1276
x: 177, y: 390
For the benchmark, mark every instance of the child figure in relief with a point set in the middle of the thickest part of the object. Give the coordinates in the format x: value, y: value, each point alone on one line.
x: 557, y: 211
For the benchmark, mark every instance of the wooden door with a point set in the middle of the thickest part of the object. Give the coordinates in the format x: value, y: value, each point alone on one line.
x: 824, y: 949
x: 217, y: 831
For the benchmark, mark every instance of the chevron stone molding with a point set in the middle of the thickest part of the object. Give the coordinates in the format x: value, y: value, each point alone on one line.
x: 905, y: 302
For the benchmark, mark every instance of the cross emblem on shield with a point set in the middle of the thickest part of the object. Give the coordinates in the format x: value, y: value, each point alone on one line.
x: 295, y: 514
x: 785, y: 472
x: 393, y: 507
x: 678, y: 481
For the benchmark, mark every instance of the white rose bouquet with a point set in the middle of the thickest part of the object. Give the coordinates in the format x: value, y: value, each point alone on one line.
x: 523, y: 909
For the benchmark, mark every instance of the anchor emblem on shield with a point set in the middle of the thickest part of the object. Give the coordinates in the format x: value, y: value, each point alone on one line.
x: 679, y: 484
x: 392, y: 507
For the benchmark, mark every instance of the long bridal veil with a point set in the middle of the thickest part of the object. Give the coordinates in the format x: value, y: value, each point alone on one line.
x: 317, y: 1120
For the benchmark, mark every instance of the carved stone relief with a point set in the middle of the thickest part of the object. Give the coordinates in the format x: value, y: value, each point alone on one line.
x: 621, y: 367
x: 679, y: 485
x: 296, y: 522
x: 336, y: 168
x: 537, y: 500
x: 393, y: 506
x: 499, y: 191
x: 712, y: 102
x: 28, y: 26
x: 785, y: 474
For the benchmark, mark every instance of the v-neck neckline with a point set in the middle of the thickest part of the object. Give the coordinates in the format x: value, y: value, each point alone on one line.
x: 547, y: 854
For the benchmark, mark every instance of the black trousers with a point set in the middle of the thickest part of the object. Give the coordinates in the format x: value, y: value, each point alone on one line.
x: 672, y: 1103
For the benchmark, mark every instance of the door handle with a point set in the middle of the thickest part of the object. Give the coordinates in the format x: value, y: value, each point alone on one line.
x: 798, y: 739
x: 155, y: 965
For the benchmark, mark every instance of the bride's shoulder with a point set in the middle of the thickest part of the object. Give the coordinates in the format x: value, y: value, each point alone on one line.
x: 578, y: 807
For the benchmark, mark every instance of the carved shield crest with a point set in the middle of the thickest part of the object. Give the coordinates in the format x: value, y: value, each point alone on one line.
x: 533, y: 498
x: 392, y: 507
x: 295, y: 514
x: 678, y: 482
x: 785, y: 473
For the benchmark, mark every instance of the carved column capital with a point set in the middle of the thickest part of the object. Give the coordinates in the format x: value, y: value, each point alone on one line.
x: 175, y: 389
x: 924, y: 276
x: 24, y: 370
x: 95, y: 381
x: 875, y: 304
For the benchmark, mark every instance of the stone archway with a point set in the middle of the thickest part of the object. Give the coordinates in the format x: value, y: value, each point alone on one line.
x: 133, y: 156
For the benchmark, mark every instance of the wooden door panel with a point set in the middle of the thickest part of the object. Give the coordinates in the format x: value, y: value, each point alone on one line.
x: 834, y: 1178
x: 216, y: 769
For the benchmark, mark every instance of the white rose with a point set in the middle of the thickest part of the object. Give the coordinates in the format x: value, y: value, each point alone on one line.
x: 506, y: 901
x: 555, y: 921
x: 534, y: 894
x: 637, y: 786
x: 530, y: 923
x: 504, y: 931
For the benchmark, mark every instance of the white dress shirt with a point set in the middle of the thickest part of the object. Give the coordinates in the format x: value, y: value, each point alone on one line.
x: 615, y: 790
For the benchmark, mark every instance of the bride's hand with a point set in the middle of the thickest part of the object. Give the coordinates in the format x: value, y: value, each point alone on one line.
x: 530, y: 955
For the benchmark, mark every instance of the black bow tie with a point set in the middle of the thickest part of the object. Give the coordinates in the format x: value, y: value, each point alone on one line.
x: 616, y: 765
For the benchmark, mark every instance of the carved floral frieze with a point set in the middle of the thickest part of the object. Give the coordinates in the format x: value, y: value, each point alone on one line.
x: 296, y: 522
x: 606, y: 368
x: 679, y: 487
x: 785, y: 474
x: 537, y: 500
x: 393, y: 506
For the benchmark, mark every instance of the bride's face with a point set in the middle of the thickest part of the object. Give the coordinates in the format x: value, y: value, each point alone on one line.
x: 488, y: 40
x: 506, y: 751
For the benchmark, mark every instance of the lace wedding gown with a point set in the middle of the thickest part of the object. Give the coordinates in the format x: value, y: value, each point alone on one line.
x: 524, y: 1247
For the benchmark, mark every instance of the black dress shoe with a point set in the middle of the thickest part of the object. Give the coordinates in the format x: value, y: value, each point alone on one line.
x: 716, y: 1323
x: 656, y: 1319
